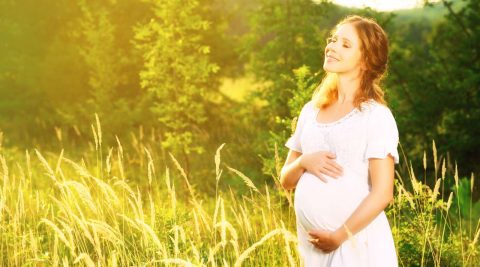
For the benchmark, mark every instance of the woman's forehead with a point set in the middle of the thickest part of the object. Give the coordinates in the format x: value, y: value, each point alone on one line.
x: 347, y: 31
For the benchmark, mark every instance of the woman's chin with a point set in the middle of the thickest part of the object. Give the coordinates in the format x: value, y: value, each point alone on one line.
x: 329, y: 69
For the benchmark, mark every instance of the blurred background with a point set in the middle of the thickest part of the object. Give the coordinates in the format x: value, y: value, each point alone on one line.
x: 192, y: 75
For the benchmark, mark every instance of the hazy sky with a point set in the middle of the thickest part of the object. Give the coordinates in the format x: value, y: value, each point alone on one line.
x: 382, y: 5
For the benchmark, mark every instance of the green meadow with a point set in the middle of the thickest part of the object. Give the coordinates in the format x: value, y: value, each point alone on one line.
x: 151, y: 133
x: 116, y: 205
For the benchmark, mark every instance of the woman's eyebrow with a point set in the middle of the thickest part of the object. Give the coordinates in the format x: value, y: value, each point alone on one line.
x: 343, y: 38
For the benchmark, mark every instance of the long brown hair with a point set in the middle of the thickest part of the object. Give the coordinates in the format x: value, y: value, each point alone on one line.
x: 374, y: 51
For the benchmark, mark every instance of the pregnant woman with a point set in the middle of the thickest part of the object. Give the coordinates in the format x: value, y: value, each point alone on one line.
x: 342, y: 155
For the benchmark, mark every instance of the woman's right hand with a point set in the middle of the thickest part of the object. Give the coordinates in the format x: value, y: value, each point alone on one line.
x: 321, y: 162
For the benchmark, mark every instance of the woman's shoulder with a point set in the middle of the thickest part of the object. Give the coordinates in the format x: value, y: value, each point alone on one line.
x: 309, y: 107
x: 310, y: 104
x: 377, y: 113
x: 374, y: 107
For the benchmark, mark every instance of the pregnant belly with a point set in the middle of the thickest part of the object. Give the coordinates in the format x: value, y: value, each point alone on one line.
x: 320, y: 205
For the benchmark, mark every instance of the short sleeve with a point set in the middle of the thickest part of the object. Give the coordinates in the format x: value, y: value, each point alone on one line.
x: 382, y: 134
x: 294, y: 141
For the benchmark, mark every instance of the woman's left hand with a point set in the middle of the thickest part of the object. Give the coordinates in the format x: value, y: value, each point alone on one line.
x: 326, y: 241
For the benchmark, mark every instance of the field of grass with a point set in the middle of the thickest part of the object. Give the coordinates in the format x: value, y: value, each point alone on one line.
x: 117, y: 205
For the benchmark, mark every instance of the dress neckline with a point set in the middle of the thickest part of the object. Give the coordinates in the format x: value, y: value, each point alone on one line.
x: 327, y: 124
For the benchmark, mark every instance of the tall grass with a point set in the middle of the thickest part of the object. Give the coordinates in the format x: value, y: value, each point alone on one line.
x: 426, y: 230
x: 113, y: 208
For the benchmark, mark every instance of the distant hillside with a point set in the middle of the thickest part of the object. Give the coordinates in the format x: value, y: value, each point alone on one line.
x: 430, y: 13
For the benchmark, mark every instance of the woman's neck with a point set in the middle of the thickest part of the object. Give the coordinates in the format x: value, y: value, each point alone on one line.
x: 347, y: 88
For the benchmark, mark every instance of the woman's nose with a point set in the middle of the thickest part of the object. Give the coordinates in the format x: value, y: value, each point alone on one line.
x: 330, y: 47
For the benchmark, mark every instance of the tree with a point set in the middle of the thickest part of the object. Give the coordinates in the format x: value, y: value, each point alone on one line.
x: 455, y: 48
x: 107, y: 81
x: 439, y: 97
x: 283, y: 35
x: 178, y: 73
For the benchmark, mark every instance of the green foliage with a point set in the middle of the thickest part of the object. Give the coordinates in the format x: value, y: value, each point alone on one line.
x: 464, y: 206
x: 427, y: 229
x: 178, y: 73
x: 58, y: 70
x: 106, y: 76
x: 282, y: 37
x: 301, y: 86
x: 438, y: 98
x: 27, y: 36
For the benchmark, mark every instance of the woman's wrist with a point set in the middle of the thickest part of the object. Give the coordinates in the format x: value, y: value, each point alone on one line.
x: 342, y: 234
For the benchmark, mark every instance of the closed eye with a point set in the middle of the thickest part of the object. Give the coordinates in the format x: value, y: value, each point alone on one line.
x: 334, y: 39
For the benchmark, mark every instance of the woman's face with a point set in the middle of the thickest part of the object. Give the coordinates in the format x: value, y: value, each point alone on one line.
x: 342, y: 53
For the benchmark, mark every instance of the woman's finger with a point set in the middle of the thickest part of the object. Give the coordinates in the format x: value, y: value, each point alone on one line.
x: 320, y: 246
x: 315, y: 243
x: 320, y: 176
x: 335, y: 165
x: 328, y: 172
x: 330, y: 155
x: 334, y: 169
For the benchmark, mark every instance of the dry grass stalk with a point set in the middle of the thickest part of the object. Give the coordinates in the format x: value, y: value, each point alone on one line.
x: 286, y: 234
x: 247, y: 180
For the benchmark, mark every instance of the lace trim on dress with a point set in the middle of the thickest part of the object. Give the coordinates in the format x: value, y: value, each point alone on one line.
x: 329, y: 124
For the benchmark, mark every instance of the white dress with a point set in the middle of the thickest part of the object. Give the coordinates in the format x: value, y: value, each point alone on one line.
x: 358, y: 136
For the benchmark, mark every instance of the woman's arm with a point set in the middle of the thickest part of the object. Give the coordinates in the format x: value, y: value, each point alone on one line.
x: 291, y: 170
x: 382, y: 177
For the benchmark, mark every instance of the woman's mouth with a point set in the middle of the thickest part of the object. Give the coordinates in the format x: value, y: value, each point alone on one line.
x: 331, y: 59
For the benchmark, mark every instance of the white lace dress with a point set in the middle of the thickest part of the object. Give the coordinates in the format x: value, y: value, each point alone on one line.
x: 358, y: 136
